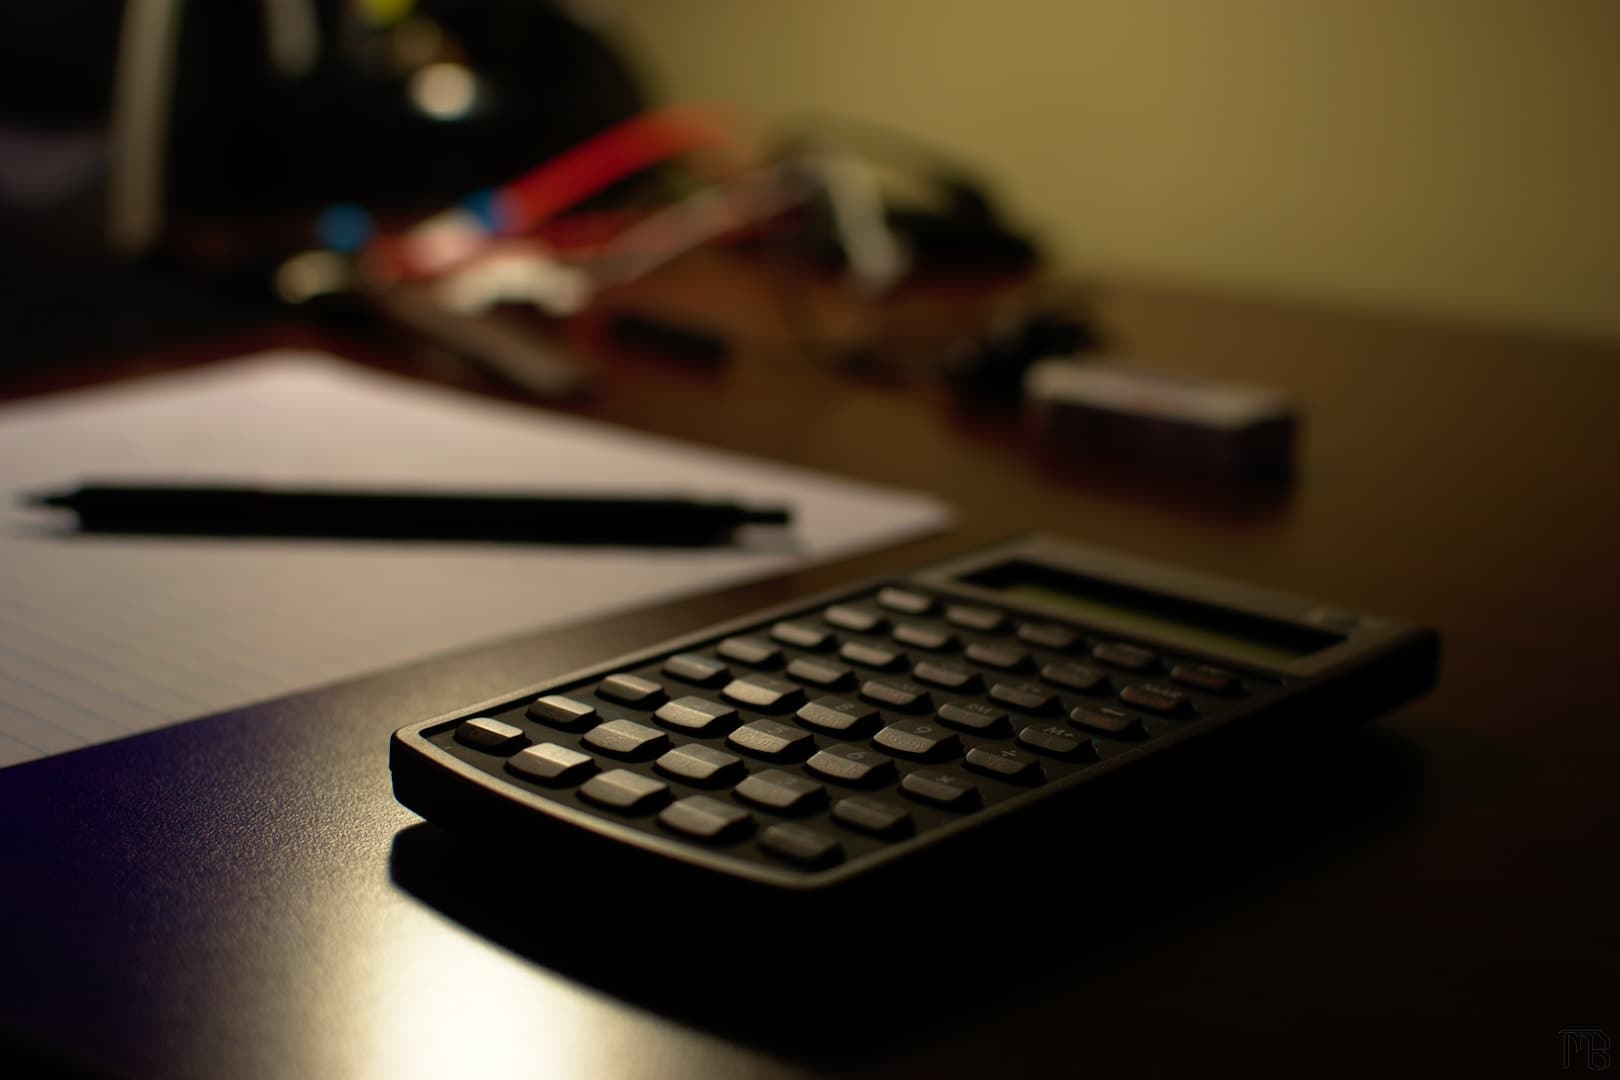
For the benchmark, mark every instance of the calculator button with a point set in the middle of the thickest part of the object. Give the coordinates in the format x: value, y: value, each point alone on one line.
x: 918, y: 738
x: 801, y: 635
x: 696, y: 715
x: 943, y: 673
x: 972, y: 617
x: 562, y: 712
x: 1025, y: 697
x: 704, y: 817
x: 1048, y: 636
x: 852, y: 764
x: 631, y: 690
x: 784, y: 792
x: 1072, y: 676
x: 1205, y: 677
x: 905, y: 601
x: 1057, y: 740
x: 490, y: 736
x: 856, y: 619
x: 764, y: 692
x: 1157, y: 697
x: 756, y: 652
x: 897, y: 695
x: 839, y: 717
x: 940, y: 788
x: 1108, y: 720
x: 827, y: 674
x: 993, y: 655
x: 877, y: 656
x: 626, y: 739
x: 773, y: 740
x: 696, y: 669
x: 626, y: 791
x: 1130, y: 657
x: 872, y: 816
x: 1005, y: 762
x: 699, y: 764
x: 549, y: 763
x: 974, y: 716
x: 923, y: 637
x: 807, y: 847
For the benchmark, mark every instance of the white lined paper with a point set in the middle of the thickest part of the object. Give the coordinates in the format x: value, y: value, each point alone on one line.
x: 102, y: 636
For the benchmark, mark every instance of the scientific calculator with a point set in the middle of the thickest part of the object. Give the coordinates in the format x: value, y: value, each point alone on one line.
x: 806, y: 746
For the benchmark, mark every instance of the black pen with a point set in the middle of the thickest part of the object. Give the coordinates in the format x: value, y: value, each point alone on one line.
x: 644, y: 521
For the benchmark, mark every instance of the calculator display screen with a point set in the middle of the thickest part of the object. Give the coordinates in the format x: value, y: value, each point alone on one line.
x: 1240, y: 635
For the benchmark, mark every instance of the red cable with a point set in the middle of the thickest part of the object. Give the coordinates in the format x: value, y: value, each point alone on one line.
x: 603, y: 160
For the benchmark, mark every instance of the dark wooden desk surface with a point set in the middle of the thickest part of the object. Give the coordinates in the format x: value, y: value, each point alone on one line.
x: 1437, y: 893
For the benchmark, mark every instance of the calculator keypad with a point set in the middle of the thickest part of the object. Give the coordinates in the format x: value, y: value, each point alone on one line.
x: 833, y: 733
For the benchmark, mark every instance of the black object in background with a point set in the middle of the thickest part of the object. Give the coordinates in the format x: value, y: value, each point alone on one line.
x: 252, y: 148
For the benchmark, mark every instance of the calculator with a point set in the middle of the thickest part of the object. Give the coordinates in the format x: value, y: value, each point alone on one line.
x: 814, y: 744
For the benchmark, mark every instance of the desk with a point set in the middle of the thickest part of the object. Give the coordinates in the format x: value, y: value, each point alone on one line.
x: 242, y: 897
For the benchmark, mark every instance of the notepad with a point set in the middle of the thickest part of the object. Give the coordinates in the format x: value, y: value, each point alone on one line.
x: 104, y: 636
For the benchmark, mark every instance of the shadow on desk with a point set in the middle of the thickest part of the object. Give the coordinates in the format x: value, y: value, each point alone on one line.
x: 831, y: 981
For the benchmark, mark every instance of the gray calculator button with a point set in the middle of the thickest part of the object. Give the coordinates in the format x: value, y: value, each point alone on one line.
x: 784, y: 792
x: 1059, y: 741
x: 1156, y: 697
x: 626, y: 739
x: 699, y: 764
x: 877, y: 656
x: 905, y: 601
x: 703, y: 817
x: 772, y: 740
x: 992, y: 654
x: 625, y: 791
x: 753, y: 651
x: 490, y: 736
x: 697, y: 669
x: 631, y: 690
x: 872, y: 816
x: 839, y: 717
x: 1072, y: 676
x: 1131, y: 657
x: 549, y: 763
x: 1108, y: 720
x: 974, y: 716
x: 924, y: 637
x: 563, y: 712
x: 696, y: 715
x: 1005, y: 763
x: 852, y: 763
x: 941, y: 788
x: 1048, y: 636
x: 973, y: 617
x: 764, y: 692
x: 801, y: 635
x: 855, y: 619
x: 896, y: 694
x: 922, y: 738
x: 827, y: 674
x: 800, y: 844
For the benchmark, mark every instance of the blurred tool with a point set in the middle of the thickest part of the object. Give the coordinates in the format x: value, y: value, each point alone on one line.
x: 1115, y: 411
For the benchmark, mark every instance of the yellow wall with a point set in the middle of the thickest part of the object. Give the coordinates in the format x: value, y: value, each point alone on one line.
x: 1458, y: 158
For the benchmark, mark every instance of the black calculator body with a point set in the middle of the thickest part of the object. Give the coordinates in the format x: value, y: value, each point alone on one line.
x: 842, y: 738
